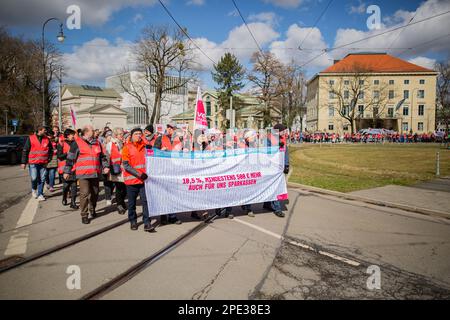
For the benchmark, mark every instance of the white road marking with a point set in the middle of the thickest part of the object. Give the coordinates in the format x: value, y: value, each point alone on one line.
x: 27, y: 216
x: 298, y: 244
x: 17, y: 244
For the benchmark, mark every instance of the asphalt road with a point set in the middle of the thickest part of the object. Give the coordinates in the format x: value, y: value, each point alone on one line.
x: 320, y: 250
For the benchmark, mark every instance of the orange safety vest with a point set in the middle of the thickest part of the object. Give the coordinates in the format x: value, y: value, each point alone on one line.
x: 62, y: 163
x: 88, y: 162
x: 137, y: 161
x: 39, y: 150
x: 116, y: 157
x: 165, y: 143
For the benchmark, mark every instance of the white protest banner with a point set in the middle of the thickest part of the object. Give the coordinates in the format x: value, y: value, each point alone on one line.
x: 189, y: 181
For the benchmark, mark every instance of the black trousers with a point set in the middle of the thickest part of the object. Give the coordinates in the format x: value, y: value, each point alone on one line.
x: 121, y: 194
x: 70, y: 186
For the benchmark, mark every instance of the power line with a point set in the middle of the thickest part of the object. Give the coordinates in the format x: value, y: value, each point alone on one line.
x: 184, y: 32
x: 398, y: 35
x: 373, y: 36
x: 423, y: 43
x: 315, y: 24
x: 248, y: 28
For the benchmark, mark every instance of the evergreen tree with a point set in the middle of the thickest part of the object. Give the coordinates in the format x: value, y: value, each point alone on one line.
x: 229, y: 75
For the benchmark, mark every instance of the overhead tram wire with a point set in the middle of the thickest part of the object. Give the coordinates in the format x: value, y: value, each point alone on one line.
x: 423, y: 43
x: 401, y: 31
x: 248, y: 28
x: 185, y: 33
x: 373, y: 36
x: 315, y: 24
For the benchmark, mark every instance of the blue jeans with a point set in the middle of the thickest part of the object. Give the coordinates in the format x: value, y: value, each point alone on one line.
x: 51, y: 175
x: 133, y: 191
x: 38, y: 173
x: 275, y: 205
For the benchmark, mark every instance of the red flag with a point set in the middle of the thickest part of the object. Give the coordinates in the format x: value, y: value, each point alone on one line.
x: 200, y: 114
x: 73, y: 114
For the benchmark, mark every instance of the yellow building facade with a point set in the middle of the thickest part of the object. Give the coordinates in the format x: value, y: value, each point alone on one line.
x: 382, y: 92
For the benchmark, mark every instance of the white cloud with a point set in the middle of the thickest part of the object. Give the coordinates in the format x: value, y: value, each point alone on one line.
x: 267, y: 17
x: 411, y: 37
x: 287, y: 50
x: 239, y: 42
x: 138, y: 17
x: 359, y: 9
x: 35, y: 12
x: 424, y: 62
x: 97, y: 59
x: 196, y: 2
x: 287, y: 4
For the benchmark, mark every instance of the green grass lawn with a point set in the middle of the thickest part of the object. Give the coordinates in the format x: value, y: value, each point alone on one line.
x: 351, y: 167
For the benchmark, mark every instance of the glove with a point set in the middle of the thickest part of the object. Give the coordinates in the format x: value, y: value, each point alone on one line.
x: 286, y: 169
x: 144, y: 176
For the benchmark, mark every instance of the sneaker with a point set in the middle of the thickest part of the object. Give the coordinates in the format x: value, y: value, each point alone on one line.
x: 108, y: 202
x: 51, y: 189
x: 279, y: 214
x: 34, y: 194
x: 250, y: 213
x: 121, y: 210
x: 85, y: 220
x: 134, y: 226
x: 41, y: 198
x: 149, y: 228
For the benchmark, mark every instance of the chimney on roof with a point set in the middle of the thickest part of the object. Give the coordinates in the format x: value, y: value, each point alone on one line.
x: 336, y: 61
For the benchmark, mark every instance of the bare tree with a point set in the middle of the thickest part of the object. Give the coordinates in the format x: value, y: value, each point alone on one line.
x: 21, y: 79
x: 266, y: 76
x: 292, y: 100
x: 160, y: 53
x: 443, y: 94
x: 353, y: 89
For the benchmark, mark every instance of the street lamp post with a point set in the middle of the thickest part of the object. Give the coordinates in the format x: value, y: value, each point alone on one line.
x: 60, y: 38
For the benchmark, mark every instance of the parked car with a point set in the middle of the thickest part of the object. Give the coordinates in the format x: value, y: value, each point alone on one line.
x: 11, y: 148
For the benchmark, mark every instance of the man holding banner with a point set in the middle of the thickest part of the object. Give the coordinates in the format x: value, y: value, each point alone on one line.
x: 133, y: 159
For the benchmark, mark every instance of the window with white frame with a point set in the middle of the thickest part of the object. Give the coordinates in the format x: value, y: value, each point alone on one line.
x: 421, y: 94
x: 421, y: 110
x: 420, y: 126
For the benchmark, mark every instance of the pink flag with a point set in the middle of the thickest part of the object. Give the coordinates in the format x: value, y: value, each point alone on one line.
x: 73, y: 114
x: 200, y: 114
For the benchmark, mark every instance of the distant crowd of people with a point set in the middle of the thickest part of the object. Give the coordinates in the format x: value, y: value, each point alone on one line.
x: 325, y: 137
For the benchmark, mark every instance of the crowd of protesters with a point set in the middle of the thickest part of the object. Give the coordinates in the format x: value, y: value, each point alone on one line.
x: 364, y: 137
x: 87, y: 157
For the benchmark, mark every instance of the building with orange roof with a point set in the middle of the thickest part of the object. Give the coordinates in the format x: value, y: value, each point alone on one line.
x: 372, y: 90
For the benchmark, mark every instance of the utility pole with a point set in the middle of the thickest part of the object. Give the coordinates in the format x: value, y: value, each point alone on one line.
x: 59, y: 100
x: 6, y: 122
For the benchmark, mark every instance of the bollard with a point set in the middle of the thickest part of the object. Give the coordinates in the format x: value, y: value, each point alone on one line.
x: 437, y: 164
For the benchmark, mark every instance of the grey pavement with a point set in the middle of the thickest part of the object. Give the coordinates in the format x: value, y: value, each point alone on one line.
x: 434, y: 195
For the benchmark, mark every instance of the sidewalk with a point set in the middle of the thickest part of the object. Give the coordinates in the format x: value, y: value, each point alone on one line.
x: 433, y: 195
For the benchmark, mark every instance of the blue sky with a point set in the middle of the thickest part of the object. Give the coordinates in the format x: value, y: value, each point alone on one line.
x: 108, y: 28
